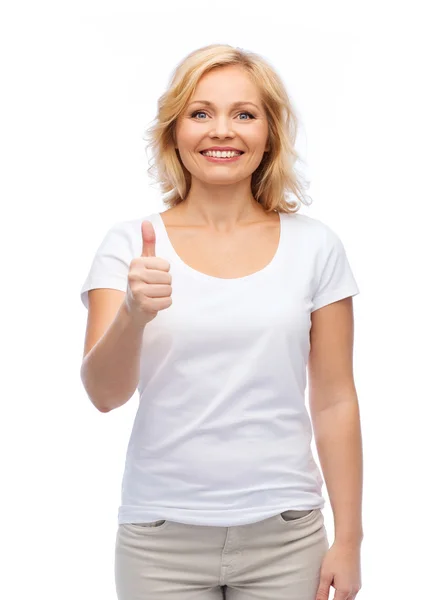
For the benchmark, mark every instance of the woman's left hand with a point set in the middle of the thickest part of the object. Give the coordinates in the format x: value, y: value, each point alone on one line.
x: 341, y: 568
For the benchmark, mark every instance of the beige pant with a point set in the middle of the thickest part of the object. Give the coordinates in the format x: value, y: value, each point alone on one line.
x: 278, y: 558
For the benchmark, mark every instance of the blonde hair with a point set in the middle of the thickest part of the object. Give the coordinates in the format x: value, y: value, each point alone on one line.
x: 275, y: 176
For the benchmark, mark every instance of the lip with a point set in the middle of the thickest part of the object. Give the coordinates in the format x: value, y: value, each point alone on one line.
x: 224, y: 161
x: 222, y: 149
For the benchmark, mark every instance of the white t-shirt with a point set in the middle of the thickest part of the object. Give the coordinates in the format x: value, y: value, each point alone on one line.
x: 221, y: 436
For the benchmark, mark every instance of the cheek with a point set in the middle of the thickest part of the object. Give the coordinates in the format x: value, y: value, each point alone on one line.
x: 188, y: 144
x: 188, y: 134
x: 257, y: 137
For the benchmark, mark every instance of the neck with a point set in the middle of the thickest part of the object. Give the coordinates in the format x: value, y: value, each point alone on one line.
x: 220, y: 206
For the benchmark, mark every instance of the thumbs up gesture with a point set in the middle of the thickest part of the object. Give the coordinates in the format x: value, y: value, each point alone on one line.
x: 149, y: 281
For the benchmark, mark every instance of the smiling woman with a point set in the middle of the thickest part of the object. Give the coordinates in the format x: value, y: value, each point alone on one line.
x: 223, y: 297
x: 222, y: 97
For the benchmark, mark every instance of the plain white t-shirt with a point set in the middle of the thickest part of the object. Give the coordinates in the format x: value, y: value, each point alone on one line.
x: 221, y: 435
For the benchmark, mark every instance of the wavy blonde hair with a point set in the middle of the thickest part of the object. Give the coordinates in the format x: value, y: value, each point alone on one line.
x: 276, y: 175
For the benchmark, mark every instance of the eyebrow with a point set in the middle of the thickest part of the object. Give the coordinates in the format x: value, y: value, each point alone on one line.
x: 239, y: 103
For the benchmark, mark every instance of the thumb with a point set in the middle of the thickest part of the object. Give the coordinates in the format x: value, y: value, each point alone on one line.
x: 148, y: 237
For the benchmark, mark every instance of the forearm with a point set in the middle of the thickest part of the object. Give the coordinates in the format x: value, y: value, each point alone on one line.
x: 337, y: 433
x: 110, y: 371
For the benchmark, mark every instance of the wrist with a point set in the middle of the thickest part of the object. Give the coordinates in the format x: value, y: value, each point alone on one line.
x: 349, y: 540
x: 136, y: 320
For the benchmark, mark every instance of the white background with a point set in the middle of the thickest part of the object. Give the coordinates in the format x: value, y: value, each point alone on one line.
x: 80, y: 84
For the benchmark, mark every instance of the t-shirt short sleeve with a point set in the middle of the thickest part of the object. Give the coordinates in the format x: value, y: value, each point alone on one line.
x: 336, y: 280
x: 111, y: 262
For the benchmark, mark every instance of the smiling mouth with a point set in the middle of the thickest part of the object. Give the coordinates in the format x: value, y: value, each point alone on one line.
x: 239, y: 151
x: 222, y: 158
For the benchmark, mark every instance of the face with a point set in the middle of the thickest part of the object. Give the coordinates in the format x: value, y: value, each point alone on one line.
x: 222, y: 123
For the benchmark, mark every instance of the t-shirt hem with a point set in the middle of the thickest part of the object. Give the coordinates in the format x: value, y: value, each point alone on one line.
x: 333, y: 296
x: 114, y: 284
x: 232, y: 518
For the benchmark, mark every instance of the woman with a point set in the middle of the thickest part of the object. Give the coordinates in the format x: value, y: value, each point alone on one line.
x: 213, y: 309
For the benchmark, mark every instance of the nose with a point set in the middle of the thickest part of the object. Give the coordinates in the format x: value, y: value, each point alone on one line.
x: 221, y: 129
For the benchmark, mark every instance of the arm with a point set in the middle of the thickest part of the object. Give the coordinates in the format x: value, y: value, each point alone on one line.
x: 335, y: 415
x: 110, y: 370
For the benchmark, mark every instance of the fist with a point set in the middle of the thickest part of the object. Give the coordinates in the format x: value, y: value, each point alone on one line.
x: 149, y: 281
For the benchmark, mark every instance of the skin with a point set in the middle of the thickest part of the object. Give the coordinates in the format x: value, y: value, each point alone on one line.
x: 220, y: 197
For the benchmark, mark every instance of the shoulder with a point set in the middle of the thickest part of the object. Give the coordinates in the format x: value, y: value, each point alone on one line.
x: 309, y: 230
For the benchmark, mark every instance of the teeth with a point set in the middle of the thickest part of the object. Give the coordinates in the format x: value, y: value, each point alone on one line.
x: 218, y: 154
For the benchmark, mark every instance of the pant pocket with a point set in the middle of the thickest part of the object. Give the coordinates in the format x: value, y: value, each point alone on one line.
x: 295, y: 515
x: 151, y: 523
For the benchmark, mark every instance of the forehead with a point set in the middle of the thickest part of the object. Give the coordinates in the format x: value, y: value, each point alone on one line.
x: 226, y: 85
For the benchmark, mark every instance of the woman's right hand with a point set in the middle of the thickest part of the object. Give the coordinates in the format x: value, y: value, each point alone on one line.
x: 149, y: 281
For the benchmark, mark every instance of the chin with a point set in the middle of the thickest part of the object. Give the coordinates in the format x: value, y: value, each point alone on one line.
x: 221, y: 180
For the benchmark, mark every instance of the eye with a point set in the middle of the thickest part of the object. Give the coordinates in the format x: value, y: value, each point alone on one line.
x: 246, y: 113
x: 197, y: 112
